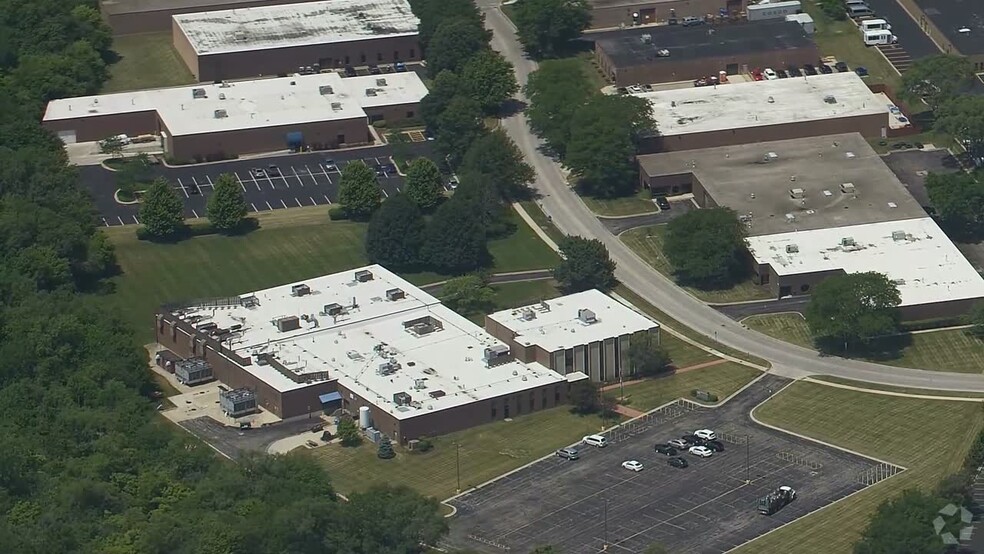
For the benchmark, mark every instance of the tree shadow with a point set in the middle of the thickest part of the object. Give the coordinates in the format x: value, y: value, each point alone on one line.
x: 512, y: 107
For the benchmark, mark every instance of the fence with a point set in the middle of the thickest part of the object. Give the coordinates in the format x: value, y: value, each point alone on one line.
x: 877, y: 473
x: 489, y: 542
x: 646, y: 422
x: 796, y: 459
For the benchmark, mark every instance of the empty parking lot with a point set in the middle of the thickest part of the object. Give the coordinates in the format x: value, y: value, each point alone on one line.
x: 582, y: 506
x: 299, y: 180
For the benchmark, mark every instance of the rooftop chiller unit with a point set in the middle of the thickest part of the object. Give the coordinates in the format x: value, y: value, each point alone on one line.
x: 193, y: 371
x: 238, y: 402
x: 586, y: 316
x: 402, y: 399
x: 395, y: 294
x: 288, y: 323
x: 363, y: 275
x: 300, y: 290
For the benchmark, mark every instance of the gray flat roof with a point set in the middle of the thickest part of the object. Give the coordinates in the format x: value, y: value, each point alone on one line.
x: 140, y: 6
x: 738, y: 177
x: 281, y: 26
x: 950, y: 16
x: 627, y: 48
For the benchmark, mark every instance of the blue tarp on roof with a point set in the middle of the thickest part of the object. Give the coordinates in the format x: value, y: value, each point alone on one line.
x: 330, y: 397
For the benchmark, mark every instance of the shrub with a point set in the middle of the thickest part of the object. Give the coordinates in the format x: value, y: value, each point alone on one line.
x: 423, y: 445
x: 337, y: 213
x: 385, y: 451
x: 381, y: 124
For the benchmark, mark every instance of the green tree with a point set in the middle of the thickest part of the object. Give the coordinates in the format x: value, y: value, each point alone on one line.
x: 904, y: 524
x: 556, y: 92
x: 852, y: 309
x: 458, y: 127
x: 833, y: 9
x: 706, y: 248
x: 455, y: 240
x: 359, y: 192
x: 936, y: 79
x: 454, y: 42
x: 161, y: 211
x: 584, y: 265
x: 545, y: 27
x: 226, y: 207
x: 434, y: 12
x: 585, y: 398
x: 348, y: 434
x: 481, y: 192
x: 403, y: 521
x: 963, y: 119
x: 468, y: 295
x: 976, y: 320
x: 133, y: 174
x: 446, y: 87
x: 647, y: 357
x: 497, y: 156
x: 489, y: 80
x: 112, y: 145
x: 958, y: 199
x: 395, y: 234
x: 424, y: 184
x: 385, y: 450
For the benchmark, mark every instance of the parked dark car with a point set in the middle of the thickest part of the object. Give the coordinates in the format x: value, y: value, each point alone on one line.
x: 841, y: 67
x: 692, y: 440
x: 666, y: 449
x: 330, y: 165
x: 273, y: 169
x: 568, y: 453
x: 678, y: 462
x: 781, y: 73
x: 715, y: 445
x: 374, y: 69
x: 825, y: 69
x: 809, y: 69
x: 350, y: 71
x: 861, y: 71
x: 793, y: 71
x: 400, y: 67
x: 663, y: 203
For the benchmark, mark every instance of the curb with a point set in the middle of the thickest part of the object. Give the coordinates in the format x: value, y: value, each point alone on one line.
x: 894, y: 393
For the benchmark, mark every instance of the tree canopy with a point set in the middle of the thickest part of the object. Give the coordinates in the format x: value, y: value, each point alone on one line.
x: 226, y: 207
x: 557, y: 90
x: 905, y: 524
x: 489, y: 80
x: 424, y: 184
x: 359, y: 191
x: 852, y: 309
x: 545, y: 27
x: 495, y: 155
x: 455, y: 238
x: 161, y: 210
x: 647, y: 357
x: 958, y: 199
x: 468, y: 295
x: 963, y: 119
x: 601, y: 149
x: 936, y: 79
x: 458, y: 127
x: 454, y: 43
x: 706, y: 247
x: 434, y: 12
x: 395, y: 234
x: 584, y: 265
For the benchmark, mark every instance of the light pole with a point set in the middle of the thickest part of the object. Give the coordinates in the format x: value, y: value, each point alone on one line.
x: 457, y: 465
x: 748, y: 477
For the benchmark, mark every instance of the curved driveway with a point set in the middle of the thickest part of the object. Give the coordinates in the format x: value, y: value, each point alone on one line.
x: 572, y: 217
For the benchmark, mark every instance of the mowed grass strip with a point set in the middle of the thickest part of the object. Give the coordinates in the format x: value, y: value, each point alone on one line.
x: 929, y: 437
x: 889, y: 388
x: 485, y: 452
x: 945, y: 350
x: 722, y: 380
x: 791, y: 328
x: 629, y: 205
x: 648, y: 243
x: 146, y: 61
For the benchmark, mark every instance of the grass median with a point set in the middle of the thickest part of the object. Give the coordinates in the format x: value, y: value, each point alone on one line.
x: 146, y: 61
x: 721, y: 379
x: 929, y: 437
x: 640, y: 203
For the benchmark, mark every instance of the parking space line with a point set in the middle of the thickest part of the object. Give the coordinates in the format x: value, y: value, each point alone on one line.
x: 210, y: 182
x: 195, y: 181
x: 106, y: 223
x: 327, y: 200
x: 299, y: 205
x: 297, y: 176
x: 269, y: 206
x: 283, y: 203
x: 183, y: 189
x: 325, y: 171
x: 254, y: 207
x: 386, y: 194
x: 196, y: 214
x: 313, y: 178
x: 236, y: 173
x: 274, y: 187
x: 135, y: 220
x: 121, y: 220
x: 312, y: 200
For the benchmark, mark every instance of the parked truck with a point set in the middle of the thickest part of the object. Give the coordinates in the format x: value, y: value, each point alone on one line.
x: 776, y: 500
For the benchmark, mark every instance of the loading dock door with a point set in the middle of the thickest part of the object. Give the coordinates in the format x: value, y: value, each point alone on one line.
x: 67, y: 137
x: 295, y: 140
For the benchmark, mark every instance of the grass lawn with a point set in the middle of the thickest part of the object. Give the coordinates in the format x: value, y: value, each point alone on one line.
x: 842, y: 40
x: 722, y: 380
x: 889, y: 388
x: 290, y: 245
x: 791, y: 328
x: 485, y: 452
x: 640, y: 203
x: 648, y: 243
x: 950, y: 350
x: 146, y: 61
x: 511, y: 295
x: 541, y: 219
x: 936, y: 138
x: 929, y: 437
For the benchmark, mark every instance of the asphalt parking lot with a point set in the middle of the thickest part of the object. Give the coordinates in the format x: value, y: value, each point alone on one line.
x: 304, y: 179
x: 581, y: 506
x: 234, y: 443
x: 912, y: 166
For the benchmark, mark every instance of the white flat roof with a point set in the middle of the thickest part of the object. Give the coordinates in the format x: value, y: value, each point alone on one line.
x: 555, y: 325
x: 302, y: 24
x: 915, y: 253
x: 439, y: 367
x: 236, y: 105
x: 758, y: 103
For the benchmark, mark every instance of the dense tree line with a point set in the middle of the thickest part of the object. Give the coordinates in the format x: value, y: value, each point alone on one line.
x: 86, y: 465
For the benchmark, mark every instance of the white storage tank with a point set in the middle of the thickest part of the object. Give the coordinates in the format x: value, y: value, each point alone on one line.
x: 365, y: 421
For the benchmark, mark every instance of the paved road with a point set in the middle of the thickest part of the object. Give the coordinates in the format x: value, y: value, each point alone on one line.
x: 911, y: 37
x: 304, y: 179
x: 572, y: 217
x: 618, y: 225
x: 784, y: 305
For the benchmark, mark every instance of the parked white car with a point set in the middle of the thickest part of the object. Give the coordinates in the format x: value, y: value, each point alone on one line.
x: 632, y: 465
x: 770, y: 74
x: 705, y: 434
x: 595, y: 440
x: 701, y: 451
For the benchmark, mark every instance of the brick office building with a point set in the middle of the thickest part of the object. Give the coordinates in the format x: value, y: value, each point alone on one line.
x: 614, y: 13
x: 128, y: 17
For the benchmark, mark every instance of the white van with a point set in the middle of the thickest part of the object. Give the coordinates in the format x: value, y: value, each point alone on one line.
x: 880, y: 36
x: 875, y: 25
x: 595, y: 440
x: 857, y: 11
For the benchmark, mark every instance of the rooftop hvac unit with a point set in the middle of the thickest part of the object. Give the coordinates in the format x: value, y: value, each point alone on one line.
x: 240, y: 35
x: 544, y: 306
x: 324, y: 90
x: 898, y: 235
x: 333, y: 309
x: 848, y: 188
x: 402, y: 399
x: 586, y: 316
x: 797, y: 193
x: 646, y: 38
x: 363, y: 275
x: 847, y: 241
x: 423, y: 328
x: 221, y: 114
x: 662, y: 53
x: 204, y: 327
x: 395, y: 294
x: 528, y: 314
x: 198, y: 93
x: 370, y: 92
x: 792, y: 249
x: 830, y: 99
x: 381, y: 82
x: 337, y: 106
x: 300, y: 290
x: 221, y: 96
x: 388, y: 367
x: 419, y: 384
x: 436, y: 393
x: 770, y: 157
x: 288, y: 323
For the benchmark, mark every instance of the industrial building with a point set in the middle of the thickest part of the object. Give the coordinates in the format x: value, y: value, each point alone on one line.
x: 193, y: 371
x: 222, y: 120
x: 364, y: 338
x: 821, y: 206
x: 676, y: 53
x: 749, y: 112
x: 956, y: 26
x: 128, y: 17
x: 624, y: 13
x: 588, y: 332
x: 279, y: 39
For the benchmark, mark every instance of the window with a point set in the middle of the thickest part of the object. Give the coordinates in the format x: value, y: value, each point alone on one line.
x: 375, y: 117
x: 505, y: 408
x: 379, y: 56
x: 413, y: 53
x: 493, y: 410
x: 340, y: 139
x: 804, y: 288
x: 568, y: 360
x: 346, y: 60
x: 543, y: 399
x: 396, y: 55
x: 532, y: 406
x: 557, y: 394
x: 764, y: 278
x: 362, y: 57
x: 410, y: 114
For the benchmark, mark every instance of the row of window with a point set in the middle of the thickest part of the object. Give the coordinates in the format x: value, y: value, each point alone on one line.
x: 379, y: 57
x: 603, y: 366
x: 506, y: 413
